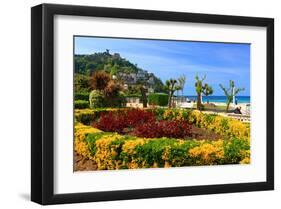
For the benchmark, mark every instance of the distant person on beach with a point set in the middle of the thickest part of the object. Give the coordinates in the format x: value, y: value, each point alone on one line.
x: 236, y: 101
x: 237, y: 110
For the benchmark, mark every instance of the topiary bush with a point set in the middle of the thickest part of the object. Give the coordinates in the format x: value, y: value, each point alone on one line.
x: 96, y: 99
x: 160, y: 99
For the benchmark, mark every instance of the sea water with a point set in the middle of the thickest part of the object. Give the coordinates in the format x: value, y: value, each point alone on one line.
x: 221, y: 99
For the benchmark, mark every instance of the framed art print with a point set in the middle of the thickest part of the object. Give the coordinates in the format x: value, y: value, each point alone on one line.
x: 131, y: 104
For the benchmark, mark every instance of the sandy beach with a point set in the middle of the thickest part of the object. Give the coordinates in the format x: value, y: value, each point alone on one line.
x: 245, y: 107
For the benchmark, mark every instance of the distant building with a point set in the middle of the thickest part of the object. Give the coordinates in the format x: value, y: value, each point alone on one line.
x: 151, y: 80
x: 127, y: 78
x: 134, y: 78
x: 140, y: 75
x: 116, y: 55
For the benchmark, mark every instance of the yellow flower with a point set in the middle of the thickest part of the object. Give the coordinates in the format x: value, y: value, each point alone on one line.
x: 208, y: 153
x: 166, y: 153
x: 80, y: 145
x: 130, y: 145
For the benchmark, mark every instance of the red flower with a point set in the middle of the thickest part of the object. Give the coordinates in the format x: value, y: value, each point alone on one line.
x: 170, y: 129
x: 143, y: 124
x: 118, y: 121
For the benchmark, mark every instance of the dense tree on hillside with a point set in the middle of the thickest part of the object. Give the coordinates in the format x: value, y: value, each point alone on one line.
x: 111, y: 64
x: 81, y: 83
x: 87, y: 64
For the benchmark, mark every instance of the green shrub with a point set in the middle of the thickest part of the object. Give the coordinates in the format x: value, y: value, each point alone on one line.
x: 82, y: 96
x: 116, y: 102
x: 81, y: 83
x: 91, y: 141
x: 114, y: 151
x: 157, y: 152
x: 159, y: 99
x: 87, y: 116
x: 132, y: 95
x: 158, y: 112
x: 96, y: 99
x: 81, y: 104
x: 84, y: 116
x: 232, y: 150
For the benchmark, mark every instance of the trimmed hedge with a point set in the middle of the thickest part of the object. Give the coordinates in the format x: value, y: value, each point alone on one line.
x: 113, y: 151
x: 81, y: 96
x: 87, y: 116
x: 81, y: 104
x: 159, y: 99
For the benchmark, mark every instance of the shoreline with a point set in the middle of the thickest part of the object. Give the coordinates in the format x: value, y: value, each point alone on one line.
x: 220, y: 99
x: 224, y: 104
x: 245, y: 107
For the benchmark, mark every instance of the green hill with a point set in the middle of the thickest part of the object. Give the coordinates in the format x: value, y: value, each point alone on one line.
x: 114, y: 64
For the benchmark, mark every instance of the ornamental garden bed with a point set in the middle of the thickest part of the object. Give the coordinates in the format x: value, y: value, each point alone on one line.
x: 145, y: 123
x: 107, y: 139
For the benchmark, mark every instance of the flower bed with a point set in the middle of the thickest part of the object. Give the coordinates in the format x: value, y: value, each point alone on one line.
x: 115, y: 151
x: 119, y: 120
x: 145, y: 146
x: 157, y: 129
x: 219, y: 124
x: 142, y: 123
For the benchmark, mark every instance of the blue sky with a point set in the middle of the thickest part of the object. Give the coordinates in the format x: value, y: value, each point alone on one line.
x: 220, y: 62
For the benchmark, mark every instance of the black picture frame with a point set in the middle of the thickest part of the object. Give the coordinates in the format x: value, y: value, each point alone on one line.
x: 42, y: 103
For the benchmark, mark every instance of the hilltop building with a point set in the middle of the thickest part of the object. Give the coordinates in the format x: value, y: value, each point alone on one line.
x: 142, y: 76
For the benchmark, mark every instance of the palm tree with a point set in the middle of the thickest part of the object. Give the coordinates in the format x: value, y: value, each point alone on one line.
x: 207, y: 90
x: 177, y: 89
x: 170, y: 86
x: 182, y: 80
x: 99, y: 80
x: 199, y: 90
x: 230, y: 93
